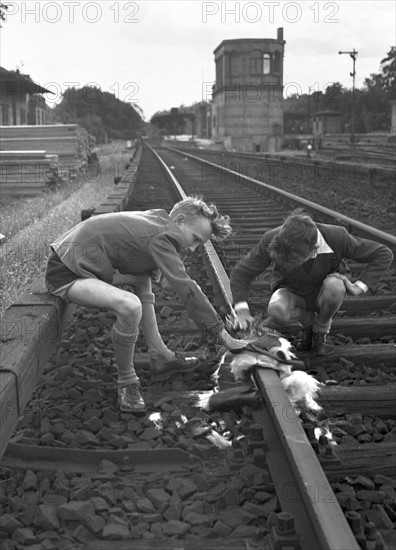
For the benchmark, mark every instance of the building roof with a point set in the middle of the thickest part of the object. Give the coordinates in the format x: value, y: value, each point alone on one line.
x: 20, y: 82
x: 245, y: 41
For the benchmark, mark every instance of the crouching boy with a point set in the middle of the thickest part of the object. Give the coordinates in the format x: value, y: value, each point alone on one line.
x: 88, y: 260
x: 310, y: 277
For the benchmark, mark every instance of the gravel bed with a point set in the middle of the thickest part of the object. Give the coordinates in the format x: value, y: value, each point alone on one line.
x: 228, y: 495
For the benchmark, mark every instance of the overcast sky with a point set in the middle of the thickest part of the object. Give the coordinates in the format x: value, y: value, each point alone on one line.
x: 159, y: 54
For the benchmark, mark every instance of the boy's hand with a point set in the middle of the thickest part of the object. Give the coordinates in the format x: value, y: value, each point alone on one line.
x: 242, y: 317
x: 351, y: 288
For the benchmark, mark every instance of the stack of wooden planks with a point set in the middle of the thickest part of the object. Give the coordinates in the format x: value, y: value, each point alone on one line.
x: 27, y: 172
x: 34, y: 158
x: 69, y: 141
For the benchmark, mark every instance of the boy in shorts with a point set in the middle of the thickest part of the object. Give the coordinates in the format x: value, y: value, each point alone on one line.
x: 104, y: 250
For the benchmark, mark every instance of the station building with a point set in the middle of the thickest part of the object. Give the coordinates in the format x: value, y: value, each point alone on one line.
x: 21, y: 100
x: 247, y: 107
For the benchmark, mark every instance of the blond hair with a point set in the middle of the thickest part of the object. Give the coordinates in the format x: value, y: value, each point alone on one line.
x: 194, y: 206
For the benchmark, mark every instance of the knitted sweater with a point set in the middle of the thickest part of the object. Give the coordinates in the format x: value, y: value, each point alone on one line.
x: 308, y: 278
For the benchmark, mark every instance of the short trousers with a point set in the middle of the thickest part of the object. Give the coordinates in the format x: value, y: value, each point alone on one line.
x: 309, y: 298
x: 58, y: 277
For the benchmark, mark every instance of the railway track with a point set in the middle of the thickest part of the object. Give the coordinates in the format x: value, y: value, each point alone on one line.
x: 356, y: 190
x: 375, y: 157
x: 100, y: 479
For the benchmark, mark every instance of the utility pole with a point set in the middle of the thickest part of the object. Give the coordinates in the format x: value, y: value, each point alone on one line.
x: 353, y: 55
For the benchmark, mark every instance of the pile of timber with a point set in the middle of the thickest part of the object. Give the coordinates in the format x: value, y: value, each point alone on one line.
x: 28, y: 172
x: 37, y: 157
x: 70, y: 142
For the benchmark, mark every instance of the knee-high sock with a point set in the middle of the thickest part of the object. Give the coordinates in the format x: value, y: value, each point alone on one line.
x: 154, y: 341
x: 124, y: 340
x: 321, y: 327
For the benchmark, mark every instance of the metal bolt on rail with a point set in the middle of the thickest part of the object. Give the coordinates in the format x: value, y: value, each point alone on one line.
x: 235, y: 459
x: 259, y: 458
x: 355, y: 522
x: 256, y: 438
x: 283, y: 535
x: 256, y: 432
x: 285, y: 524
x: 373, y: 537
x: 241, y: 442
x: 244, y: 426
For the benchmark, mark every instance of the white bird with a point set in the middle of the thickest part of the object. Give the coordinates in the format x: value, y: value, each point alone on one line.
x: 270, y: 350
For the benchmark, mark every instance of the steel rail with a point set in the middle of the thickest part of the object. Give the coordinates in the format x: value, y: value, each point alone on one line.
x: 304, y: 489
x: 321, y: 524
x: 354, y: 167
x: 212, y: 258
x: 363, y: 229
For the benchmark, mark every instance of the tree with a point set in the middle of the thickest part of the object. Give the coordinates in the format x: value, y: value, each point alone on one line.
x: 375, y: 97
x: 388, y: 65
x: 170, y: 123
x: 333, y: 96
x: 386, y: 79
x: 100, y: 113
x: 372, y: 106
x: 3, y: 9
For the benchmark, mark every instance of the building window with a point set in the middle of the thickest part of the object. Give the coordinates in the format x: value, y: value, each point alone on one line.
x: 266, y: 63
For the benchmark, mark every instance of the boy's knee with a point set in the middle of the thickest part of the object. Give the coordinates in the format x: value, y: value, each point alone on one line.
x: 279, y: 311
x: 333, y: 288
x: 129, y: 306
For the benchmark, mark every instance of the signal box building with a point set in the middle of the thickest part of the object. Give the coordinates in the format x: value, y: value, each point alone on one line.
x: 247, y: 109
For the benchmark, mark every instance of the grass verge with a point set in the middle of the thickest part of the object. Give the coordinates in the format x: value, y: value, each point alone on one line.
x: 33, y: 223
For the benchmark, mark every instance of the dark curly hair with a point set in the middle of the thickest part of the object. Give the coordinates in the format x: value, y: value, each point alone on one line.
x: 295, y: 241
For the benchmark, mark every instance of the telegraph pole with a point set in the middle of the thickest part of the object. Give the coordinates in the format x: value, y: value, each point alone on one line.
x: 353, y: 55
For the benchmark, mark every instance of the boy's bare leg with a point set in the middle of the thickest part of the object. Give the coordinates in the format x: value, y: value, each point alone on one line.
x: 163, y: 361
x: 143, y: 288
x: 124, y: 333
x: 286, y: 308
x: 329, y: 301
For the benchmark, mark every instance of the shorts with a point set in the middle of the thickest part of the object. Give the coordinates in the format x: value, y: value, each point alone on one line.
x: 310, y: 297
x: 58, y: 277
